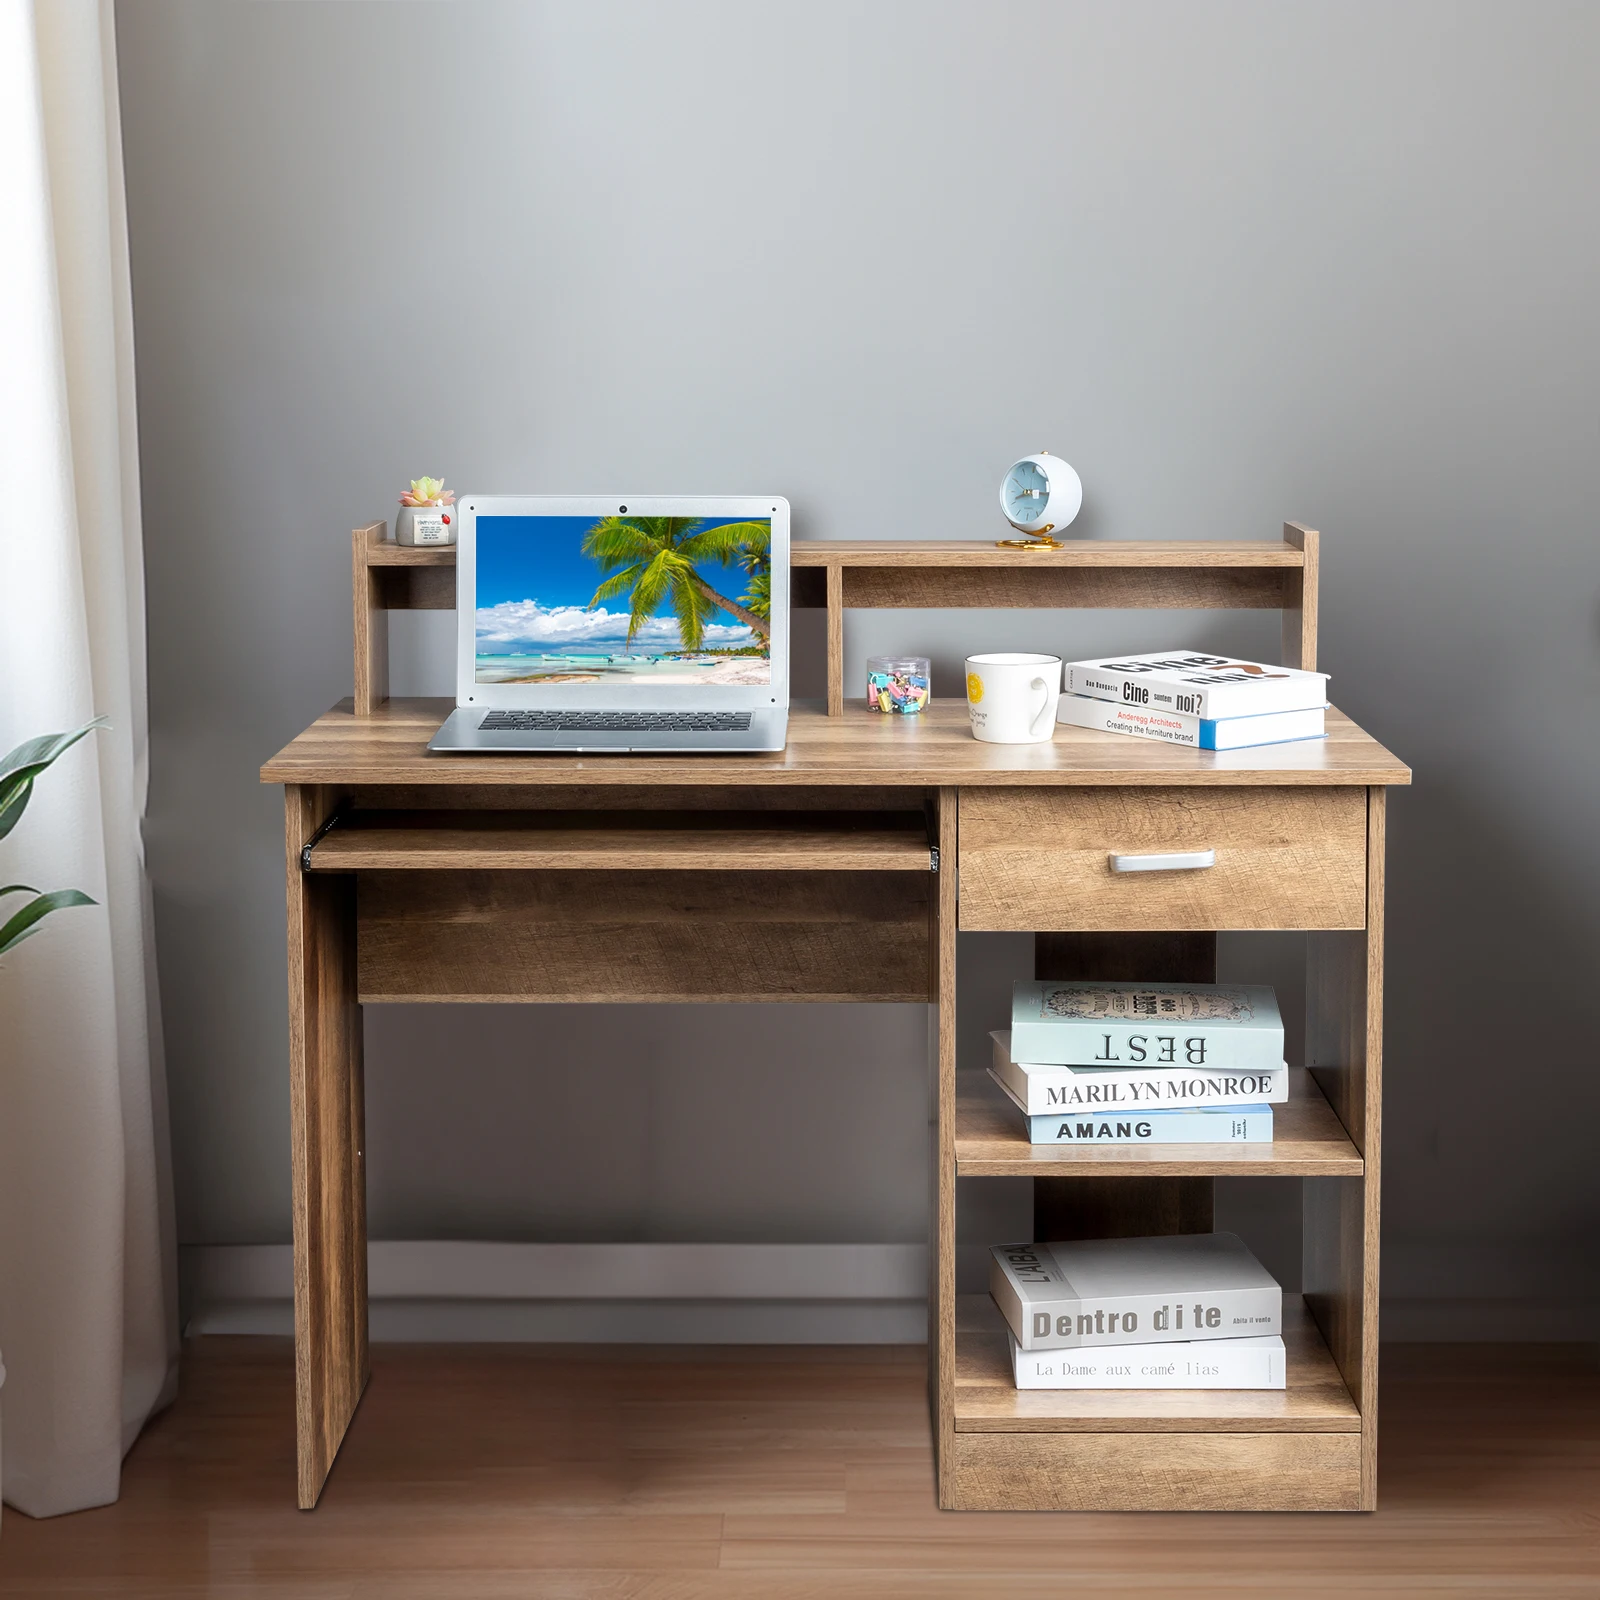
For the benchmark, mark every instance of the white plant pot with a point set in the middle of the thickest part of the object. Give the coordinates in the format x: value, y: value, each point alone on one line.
x: 425, y: 525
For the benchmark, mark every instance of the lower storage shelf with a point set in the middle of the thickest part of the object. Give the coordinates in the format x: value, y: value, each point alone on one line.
x: 987, y: 1401
x: 1291, y: 1449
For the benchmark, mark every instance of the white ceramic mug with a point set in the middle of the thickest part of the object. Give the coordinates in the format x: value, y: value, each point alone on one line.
x: 1011, y: 697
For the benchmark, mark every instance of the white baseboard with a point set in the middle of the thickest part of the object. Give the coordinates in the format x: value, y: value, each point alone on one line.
x: 466, y: 1291
x: 605, y: 1293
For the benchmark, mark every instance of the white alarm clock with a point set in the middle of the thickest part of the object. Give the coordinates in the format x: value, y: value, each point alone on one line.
x: 1041, y: 493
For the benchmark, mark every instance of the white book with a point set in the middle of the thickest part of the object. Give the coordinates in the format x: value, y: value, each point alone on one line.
x: 1133, y: 1291
x: 1248, y: 1124
x: 1253, y: 1363
x: 1041, y: 1090
x: 1196, y: 684
x: 1201, y: 733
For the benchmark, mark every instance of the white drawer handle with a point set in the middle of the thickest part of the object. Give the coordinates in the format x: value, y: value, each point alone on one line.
x: 1172, y: 861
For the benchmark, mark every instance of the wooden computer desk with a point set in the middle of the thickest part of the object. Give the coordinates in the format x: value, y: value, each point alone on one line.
x: 841, y: 869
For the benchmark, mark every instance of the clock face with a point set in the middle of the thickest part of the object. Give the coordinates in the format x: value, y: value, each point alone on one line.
x: 1040, y: 493
x: 1025, y: 495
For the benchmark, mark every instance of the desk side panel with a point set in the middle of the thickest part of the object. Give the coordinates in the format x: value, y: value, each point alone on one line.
x: 327, y: 1125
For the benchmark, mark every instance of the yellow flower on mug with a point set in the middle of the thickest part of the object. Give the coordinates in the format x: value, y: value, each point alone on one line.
x: 974, y: 688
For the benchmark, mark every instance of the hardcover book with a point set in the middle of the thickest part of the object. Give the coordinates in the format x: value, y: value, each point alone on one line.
x: 1248, y: 1124
x: 1090, y: 1292
x: 1200, y: 733
x: 1252, y: 1363
x: 1142, y: 1025
x: 1197, y: 684
x: 1043, y: 1090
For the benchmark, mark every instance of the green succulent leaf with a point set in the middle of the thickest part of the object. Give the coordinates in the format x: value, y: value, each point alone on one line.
x: 26, y: 921
x: 25, y: 763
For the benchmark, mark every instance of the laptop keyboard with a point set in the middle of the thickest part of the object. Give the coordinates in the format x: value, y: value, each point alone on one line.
x: 614, y: 722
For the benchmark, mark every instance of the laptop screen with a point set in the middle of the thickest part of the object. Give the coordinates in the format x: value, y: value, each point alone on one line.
x: 623, y: 599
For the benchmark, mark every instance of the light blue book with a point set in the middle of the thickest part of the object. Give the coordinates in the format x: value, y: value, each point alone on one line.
x: 1225, y: 1125
x: 1232, y: 1027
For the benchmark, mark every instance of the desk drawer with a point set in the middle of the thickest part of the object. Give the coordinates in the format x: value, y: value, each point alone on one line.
x: 1284, y: 858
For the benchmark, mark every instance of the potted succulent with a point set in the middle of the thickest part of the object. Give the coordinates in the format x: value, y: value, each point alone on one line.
x: 425, y: 516
x: 17, y: 772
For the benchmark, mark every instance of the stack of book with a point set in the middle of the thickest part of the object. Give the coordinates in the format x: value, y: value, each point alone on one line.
x: 1193, y: 1311
x: 1142, y: 1063
x: 1188, y: 697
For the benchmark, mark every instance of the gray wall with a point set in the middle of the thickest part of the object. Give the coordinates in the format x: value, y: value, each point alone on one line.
x: 1238, y: 262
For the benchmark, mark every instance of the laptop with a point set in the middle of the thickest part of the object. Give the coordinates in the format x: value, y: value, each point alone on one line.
x: 599, y: 624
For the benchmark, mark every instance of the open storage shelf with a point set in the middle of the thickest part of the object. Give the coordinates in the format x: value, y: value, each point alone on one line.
x: 1308, y: 1141
x: 1314, y: 1401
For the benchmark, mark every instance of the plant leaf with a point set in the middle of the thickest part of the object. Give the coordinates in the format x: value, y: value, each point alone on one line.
x: 26, y: 921
x: 19, y: 888
x: 13, y: 802
x: 732, y: 539
x: 21, y: 766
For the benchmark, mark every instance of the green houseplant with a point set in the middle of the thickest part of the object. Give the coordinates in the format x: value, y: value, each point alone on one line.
x: 17, y: 773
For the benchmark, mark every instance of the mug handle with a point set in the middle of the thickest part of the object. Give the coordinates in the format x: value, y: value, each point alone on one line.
x: 1044, y: 705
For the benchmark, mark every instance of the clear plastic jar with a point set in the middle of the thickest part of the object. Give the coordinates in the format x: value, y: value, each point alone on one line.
x: 899, y: 685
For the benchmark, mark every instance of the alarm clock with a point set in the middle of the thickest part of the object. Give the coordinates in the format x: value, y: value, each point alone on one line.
x: 1040, y: 494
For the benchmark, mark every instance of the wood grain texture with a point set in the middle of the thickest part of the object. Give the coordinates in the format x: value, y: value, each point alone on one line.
x: 488, y: 1472
x: 1284, y: 859
x: 1371, y: 1190
x: 1068, y: 588
x: 643, y: 936
x: 1333, y: 1272
x: 1128, y: 1206
x: 1300, y: 608
x: 370, y: 624
x: 414, y: 588
x: 914, y: 554
x: 518, y: 846
x: 1308, y: 1140
x: 835, y: 645
x: 855, y: 749
x: 1336, y: 1025
x: 988, y: 1401
x: 1156, y: 1472
x: 740, y: 805
x: 327, y: 1137
x: 942, y: 1301
x: 1147, y: 956
x: 384, y: 552
x: 1341, y: 1220
x: 823, y: 553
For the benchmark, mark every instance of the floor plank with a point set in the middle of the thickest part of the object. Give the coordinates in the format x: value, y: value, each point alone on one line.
x: 629, y: 1473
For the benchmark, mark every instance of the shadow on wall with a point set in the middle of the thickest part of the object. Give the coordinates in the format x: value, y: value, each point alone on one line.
x: 1490, y: 1055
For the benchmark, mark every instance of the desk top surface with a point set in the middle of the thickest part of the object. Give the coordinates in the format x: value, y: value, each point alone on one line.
x: 861, y: 747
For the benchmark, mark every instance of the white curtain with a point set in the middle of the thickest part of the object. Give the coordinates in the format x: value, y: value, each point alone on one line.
x: 87, y: 1303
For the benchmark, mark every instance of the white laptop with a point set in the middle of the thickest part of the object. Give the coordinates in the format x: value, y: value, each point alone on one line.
x: 611, y: 623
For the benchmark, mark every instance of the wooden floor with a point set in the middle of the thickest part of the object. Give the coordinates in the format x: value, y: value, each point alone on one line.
x: 650, y: 1474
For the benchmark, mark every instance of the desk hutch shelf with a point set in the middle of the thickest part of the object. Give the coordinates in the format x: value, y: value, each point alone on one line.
x: 840, y: 575
x: 785, y: 876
